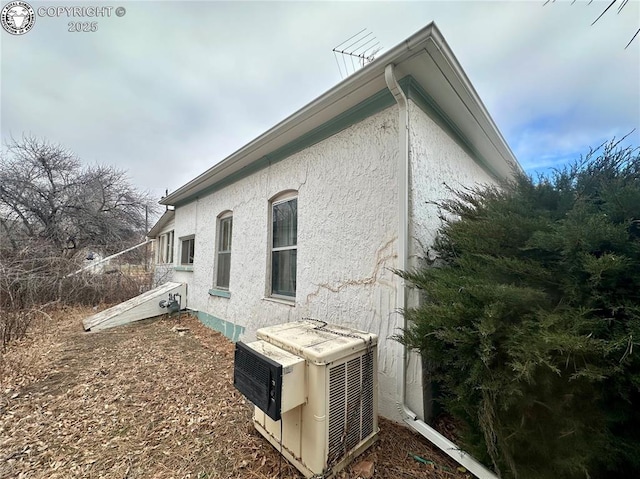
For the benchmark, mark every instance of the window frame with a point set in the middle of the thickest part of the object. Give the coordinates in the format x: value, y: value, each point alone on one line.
x: 165, y: 247
x: 159, y: 249
x: 279, y: 199
x: 184, y: 239
x: 222, y: 218
x: 170, y: 246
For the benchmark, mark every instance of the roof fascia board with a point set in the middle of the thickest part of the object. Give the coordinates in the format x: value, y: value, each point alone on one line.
x: 429, y: 106
x: 372, y: 105
x: 335, y: 94
x: 164, y: 220
x: 440, y: 52
x: 256, y: 154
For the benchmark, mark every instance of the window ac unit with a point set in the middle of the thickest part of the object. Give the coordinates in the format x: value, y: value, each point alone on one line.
x: 315, y: 389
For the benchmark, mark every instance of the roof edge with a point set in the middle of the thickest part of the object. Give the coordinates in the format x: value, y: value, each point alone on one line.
x: 166, y: 217
x: 318, y: 104
x: 428, y: 39
x: 447, y: 54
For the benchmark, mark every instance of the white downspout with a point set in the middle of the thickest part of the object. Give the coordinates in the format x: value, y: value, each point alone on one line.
x: 407, y: 414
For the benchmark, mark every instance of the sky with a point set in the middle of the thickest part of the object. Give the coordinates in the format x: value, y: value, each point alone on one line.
x: 171, y: 88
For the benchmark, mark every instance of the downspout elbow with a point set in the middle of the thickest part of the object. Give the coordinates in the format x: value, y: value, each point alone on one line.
x: 394, y: 86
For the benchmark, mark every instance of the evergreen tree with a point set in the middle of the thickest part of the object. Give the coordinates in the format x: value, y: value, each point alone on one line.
x: 531, y: 317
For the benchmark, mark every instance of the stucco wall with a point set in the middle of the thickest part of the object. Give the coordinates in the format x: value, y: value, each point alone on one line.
x: 347, y: 234
x: 437, y: 162
x: 162, y: 273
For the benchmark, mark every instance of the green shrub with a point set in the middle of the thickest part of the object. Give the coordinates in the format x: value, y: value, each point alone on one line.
x: 531, y: 319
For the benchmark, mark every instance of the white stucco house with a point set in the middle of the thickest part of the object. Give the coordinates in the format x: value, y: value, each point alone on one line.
x: 310, y: 218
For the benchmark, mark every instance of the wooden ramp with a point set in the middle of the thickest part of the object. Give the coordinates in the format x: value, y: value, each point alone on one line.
x: 141, y: 307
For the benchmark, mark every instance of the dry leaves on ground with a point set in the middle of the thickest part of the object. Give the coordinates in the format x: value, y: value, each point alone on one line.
x: 153, y: 400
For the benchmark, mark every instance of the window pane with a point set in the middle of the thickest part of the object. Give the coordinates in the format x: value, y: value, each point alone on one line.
x: 224, y: 242
x: 186, y: 255
x: 283, y: 272
x: 161, y: 241
x: 224, y: 266
x: 285, y: 224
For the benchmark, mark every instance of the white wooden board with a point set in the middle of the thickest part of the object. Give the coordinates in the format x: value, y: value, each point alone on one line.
x: 141, y: 307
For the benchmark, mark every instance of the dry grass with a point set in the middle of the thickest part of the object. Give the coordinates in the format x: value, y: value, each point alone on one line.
x: 147, y: 401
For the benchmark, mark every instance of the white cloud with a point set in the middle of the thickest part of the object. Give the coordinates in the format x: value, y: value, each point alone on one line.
x: 173, y: 87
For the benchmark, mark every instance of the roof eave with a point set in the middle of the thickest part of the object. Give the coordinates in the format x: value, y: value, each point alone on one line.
x: 364, y: 75
x: 497, y: 138
x: 428, y: 39
x: 164, y: 220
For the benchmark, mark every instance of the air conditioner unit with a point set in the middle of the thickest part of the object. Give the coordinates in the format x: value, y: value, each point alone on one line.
x: 315, y: 389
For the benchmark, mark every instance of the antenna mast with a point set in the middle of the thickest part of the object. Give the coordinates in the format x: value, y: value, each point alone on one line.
x: 356, y: 51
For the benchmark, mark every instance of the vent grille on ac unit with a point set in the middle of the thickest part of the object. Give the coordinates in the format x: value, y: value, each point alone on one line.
x: 350, y: 405
x: 367, y: 394
x: 259, y: 378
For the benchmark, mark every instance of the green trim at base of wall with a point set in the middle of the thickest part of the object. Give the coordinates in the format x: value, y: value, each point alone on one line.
x: 230, y: 330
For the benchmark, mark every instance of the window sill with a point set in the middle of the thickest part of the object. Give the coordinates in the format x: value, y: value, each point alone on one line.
x: 222, y: 293
x: 183, y: 268
x: 287, y: 302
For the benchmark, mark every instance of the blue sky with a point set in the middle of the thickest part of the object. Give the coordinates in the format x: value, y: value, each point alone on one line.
x: 171, y: 88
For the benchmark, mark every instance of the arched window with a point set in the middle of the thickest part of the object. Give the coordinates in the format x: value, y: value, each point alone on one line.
x: 284, y: 244
x: 223, y: 250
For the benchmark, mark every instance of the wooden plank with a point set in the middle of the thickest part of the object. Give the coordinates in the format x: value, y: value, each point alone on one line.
x: 141, y: 307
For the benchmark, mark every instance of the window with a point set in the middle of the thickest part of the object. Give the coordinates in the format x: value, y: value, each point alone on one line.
x: 284, y: 247
x: 169, y: 249
x: 165, y: 248
x: 160, y: 249
x: 223, y: 261
x: 187, y: 250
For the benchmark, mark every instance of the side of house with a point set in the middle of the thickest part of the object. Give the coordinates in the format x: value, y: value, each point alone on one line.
x: 310, y: 219
x: 312, y: 235
x: 339, y: 201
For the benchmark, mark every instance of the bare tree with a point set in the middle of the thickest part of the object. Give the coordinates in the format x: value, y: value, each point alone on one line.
x: 48, y: 198
x: 621, y: 6
x: 52, y: 207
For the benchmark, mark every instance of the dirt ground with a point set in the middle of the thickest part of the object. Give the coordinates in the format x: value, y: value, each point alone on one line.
x: 152, y: 400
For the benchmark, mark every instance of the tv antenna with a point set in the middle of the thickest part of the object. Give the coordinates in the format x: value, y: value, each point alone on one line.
x: 356, y: 52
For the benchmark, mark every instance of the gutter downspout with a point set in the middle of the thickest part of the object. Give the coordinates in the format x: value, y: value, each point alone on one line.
x: 407, y: 414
